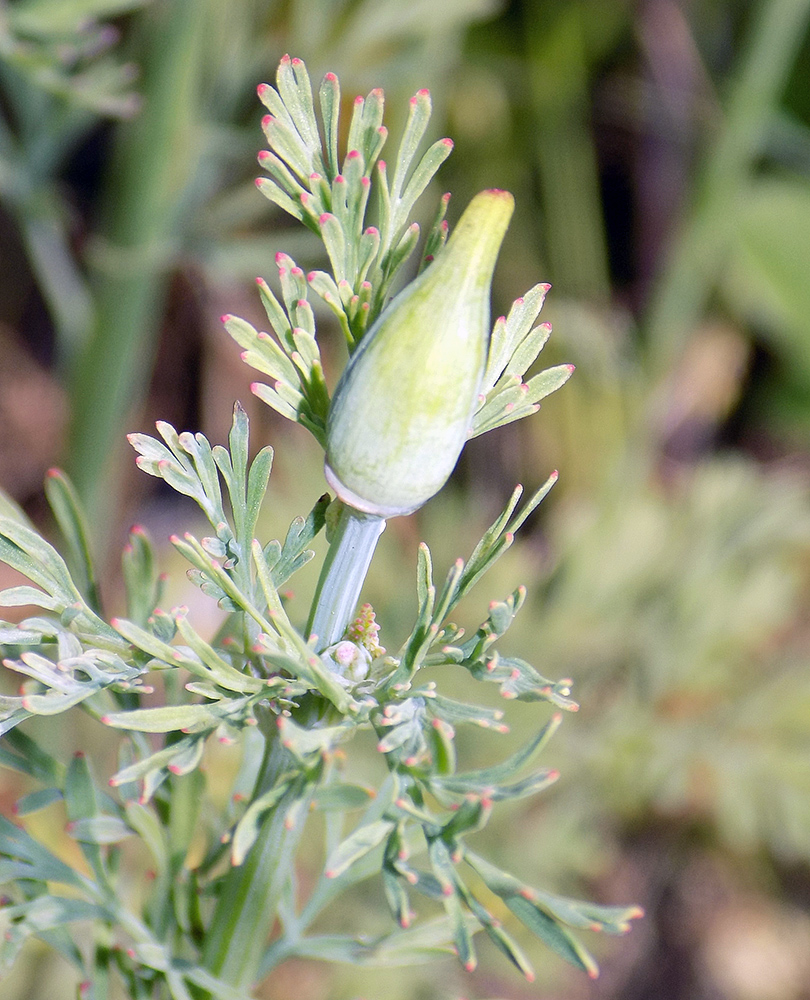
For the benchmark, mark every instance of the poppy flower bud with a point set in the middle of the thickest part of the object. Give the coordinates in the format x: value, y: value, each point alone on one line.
x: 404, y: 404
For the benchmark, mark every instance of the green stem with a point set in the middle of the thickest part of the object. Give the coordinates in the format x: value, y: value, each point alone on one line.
x: 565, y: 154
x: 248, y: 900
x: 344, y: 571
x: 699, y: 253
x: 153, y: 161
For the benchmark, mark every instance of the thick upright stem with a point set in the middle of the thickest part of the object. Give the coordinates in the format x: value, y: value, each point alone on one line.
x: 154, y: 159
x: 248, y: 901
x: 343, y: 573
x: 692, y: 270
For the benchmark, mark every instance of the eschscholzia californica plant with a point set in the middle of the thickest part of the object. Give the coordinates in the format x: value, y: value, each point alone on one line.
x: 424, y: 373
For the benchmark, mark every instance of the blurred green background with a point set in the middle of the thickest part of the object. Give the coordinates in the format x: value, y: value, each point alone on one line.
x: 659, y: 152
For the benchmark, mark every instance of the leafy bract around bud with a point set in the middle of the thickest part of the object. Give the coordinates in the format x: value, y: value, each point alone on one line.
x: 404, y: 405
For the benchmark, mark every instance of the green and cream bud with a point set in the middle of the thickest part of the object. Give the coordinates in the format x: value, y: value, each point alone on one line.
x: 404, y: 405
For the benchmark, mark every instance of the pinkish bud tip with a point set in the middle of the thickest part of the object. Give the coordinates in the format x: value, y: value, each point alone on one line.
x: 266, y: 121
x: 353, y: 154
x: 259, y: 181
x: 448, y: 142
x: 264, y: 154
x: 424, y: 92
x: 326, y: 216
x: 297, y: 62
x: 340, y: 179
x: 285, y: 59
x: 359, y: 100
x: 571, y: 368
x: 331, y: 77
x: 262, y: 89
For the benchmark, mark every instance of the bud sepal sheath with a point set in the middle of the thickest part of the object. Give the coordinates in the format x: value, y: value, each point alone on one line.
x: 403, y: 408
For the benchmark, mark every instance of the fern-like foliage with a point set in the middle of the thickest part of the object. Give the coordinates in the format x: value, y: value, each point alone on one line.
x: 260, y: 675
